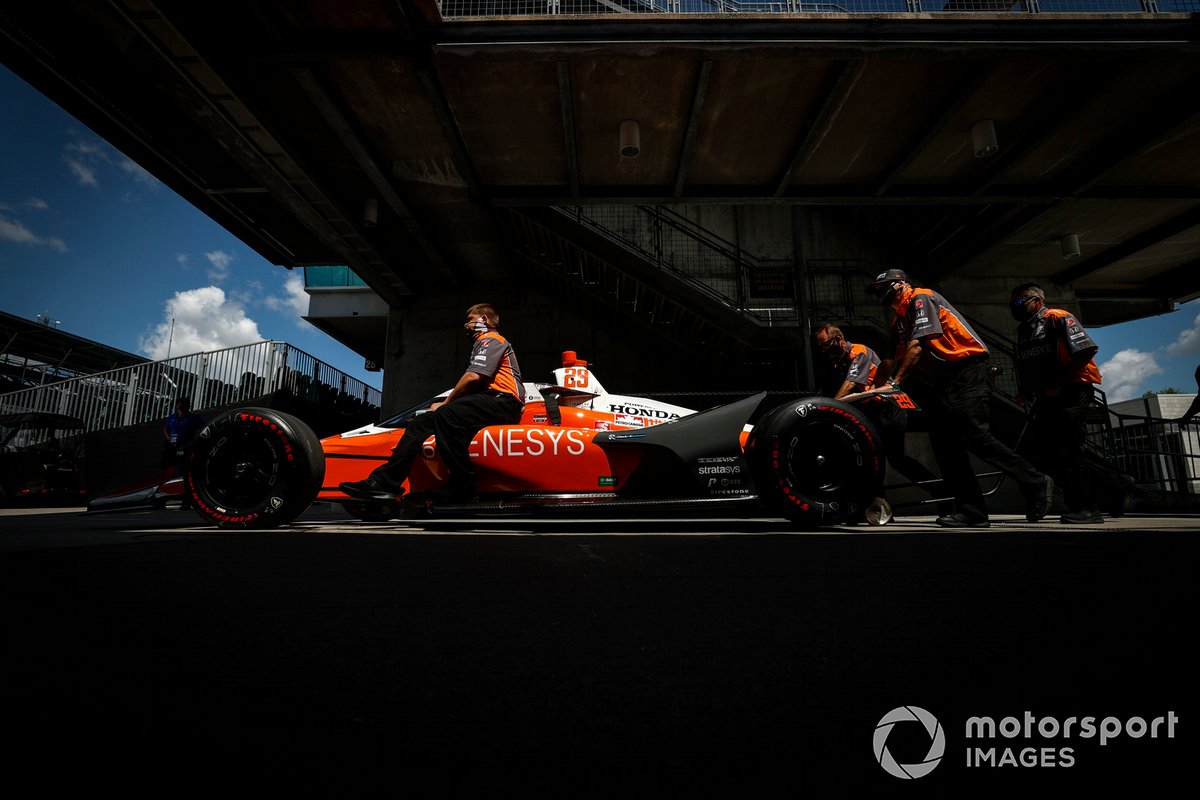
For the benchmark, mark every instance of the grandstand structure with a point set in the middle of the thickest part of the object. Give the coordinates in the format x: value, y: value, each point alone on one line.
x: 36, y: 352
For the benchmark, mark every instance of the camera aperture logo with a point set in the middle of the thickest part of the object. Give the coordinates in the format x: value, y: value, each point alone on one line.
x: 937, y: 742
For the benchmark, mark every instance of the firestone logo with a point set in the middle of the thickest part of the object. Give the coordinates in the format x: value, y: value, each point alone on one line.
x: 937, y: 742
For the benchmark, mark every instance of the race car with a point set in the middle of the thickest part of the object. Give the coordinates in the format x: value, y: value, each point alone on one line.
x: 814, y: 461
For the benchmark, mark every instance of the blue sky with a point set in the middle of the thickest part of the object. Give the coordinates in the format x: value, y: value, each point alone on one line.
x: 94, y: 241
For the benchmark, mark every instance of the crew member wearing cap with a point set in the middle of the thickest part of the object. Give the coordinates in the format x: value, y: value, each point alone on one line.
x: 855, y: 369
x: 1056, y: 371
x: 932, y: 334
x: 490, y: 392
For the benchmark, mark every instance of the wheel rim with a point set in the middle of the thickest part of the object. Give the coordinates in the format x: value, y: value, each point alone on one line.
x: 242, y: 468
x: 825, y: 461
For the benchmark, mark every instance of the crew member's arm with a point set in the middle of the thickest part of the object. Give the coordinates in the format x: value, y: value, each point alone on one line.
x: 847, y: 387
x: 1073, y: 367
x: 912, y: 354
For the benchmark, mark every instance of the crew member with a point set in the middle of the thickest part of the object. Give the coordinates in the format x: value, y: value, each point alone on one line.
x: 931, y: 334
x: 1057, y: 373
x: 179, y: 432
x: 490, y: 392
x: 855, y: 370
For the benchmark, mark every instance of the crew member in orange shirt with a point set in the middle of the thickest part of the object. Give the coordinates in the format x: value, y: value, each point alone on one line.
x: 1057, y: 373
x: 855, y: 369
x: 933, y: 334
x: 490, y: 392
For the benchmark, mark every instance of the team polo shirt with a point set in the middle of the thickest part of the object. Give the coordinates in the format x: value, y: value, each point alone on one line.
x: 1045, y: 345
x: 494, y: 358
x: 860, y: 364
x: 927, y: 316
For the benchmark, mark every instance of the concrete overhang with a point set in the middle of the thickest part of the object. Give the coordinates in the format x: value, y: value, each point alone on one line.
x: 286, y: 121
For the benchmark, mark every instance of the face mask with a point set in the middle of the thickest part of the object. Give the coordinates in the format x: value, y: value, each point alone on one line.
x: 1020, y: 310
x: 889, y: 295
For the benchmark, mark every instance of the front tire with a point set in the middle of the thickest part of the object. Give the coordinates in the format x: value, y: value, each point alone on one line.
x: 816, y: 461
x: 254, y: 468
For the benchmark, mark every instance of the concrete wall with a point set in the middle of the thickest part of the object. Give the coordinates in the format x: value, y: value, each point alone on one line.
x: 427, y: 347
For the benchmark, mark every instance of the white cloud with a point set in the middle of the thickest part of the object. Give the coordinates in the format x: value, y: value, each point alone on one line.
x: 135, y: 171
x: 220, y: 261
x: 1126, y: 373
x: 85, y: 173
x: 1187, y: 342
x: 182, y: 259
x: 37, y: 203
x: 16, y: 231
x: 294, y: 300
x: 204, y: 319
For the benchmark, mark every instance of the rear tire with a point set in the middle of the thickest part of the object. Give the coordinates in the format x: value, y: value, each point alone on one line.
x: 816, y: 461
x: 254, y: 468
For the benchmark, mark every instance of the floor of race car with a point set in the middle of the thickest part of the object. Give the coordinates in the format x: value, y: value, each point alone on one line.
x: 338, y: 658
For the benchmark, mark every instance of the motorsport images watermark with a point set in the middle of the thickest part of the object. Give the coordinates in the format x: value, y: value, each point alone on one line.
x: 991, y: 742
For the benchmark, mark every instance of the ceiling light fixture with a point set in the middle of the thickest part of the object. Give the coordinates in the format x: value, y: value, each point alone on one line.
x: 631, y: 138
x: 1069, y: 245
x: 983, y: 138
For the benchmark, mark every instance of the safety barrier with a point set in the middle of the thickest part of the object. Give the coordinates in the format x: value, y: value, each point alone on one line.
x: 147, y: 392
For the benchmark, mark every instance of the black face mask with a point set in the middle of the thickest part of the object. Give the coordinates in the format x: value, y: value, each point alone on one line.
x: 1019, y: 309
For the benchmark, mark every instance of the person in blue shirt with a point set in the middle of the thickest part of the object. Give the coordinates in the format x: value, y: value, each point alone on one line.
x: 179, y: 431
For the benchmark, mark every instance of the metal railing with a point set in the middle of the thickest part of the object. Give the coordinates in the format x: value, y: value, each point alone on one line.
x: 1159, y: 453
x: 458, y: 9
x: 216, y: 378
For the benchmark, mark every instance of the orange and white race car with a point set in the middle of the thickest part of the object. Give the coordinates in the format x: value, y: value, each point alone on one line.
x: 812, y: 460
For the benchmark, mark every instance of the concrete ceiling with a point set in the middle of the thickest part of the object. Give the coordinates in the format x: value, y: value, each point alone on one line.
x: 279, y: 119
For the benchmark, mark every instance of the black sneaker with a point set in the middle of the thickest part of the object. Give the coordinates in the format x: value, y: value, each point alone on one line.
x: 1088, y: 516
x: 1037, y: 498
x: 371, y: 489
x: 960, y: 520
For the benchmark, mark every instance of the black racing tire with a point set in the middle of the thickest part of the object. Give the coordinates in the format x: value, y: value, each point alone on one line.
x: 254, y: 468
x: 816, y: 461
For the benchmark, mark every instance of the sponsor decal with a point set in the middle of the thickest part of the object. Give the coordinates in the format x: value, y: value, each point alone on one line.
x: 602, y: 425
x: 617, y: 437
x: 803, y: 409
x: 719, y: 460
x: 653, y: 413
x: 608, y: 480
x: 630, y: 420
x: 724, y: 469
x: 516, y: 442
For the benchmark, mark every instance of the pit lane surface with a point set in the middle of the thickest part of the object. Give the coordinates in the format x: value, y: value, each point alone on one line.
x: 334, y: 657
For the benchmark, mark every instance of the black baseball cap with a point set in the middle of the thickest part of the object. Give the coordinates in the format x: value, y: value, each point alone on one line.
x: 884, y: 280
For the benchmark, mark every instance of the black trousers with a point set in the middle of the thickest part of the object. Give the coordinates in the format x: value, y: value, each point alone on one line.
x: 892, y: 423
x: 454, y: 425
x: 960, y: 425
x: 1057, y: 430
